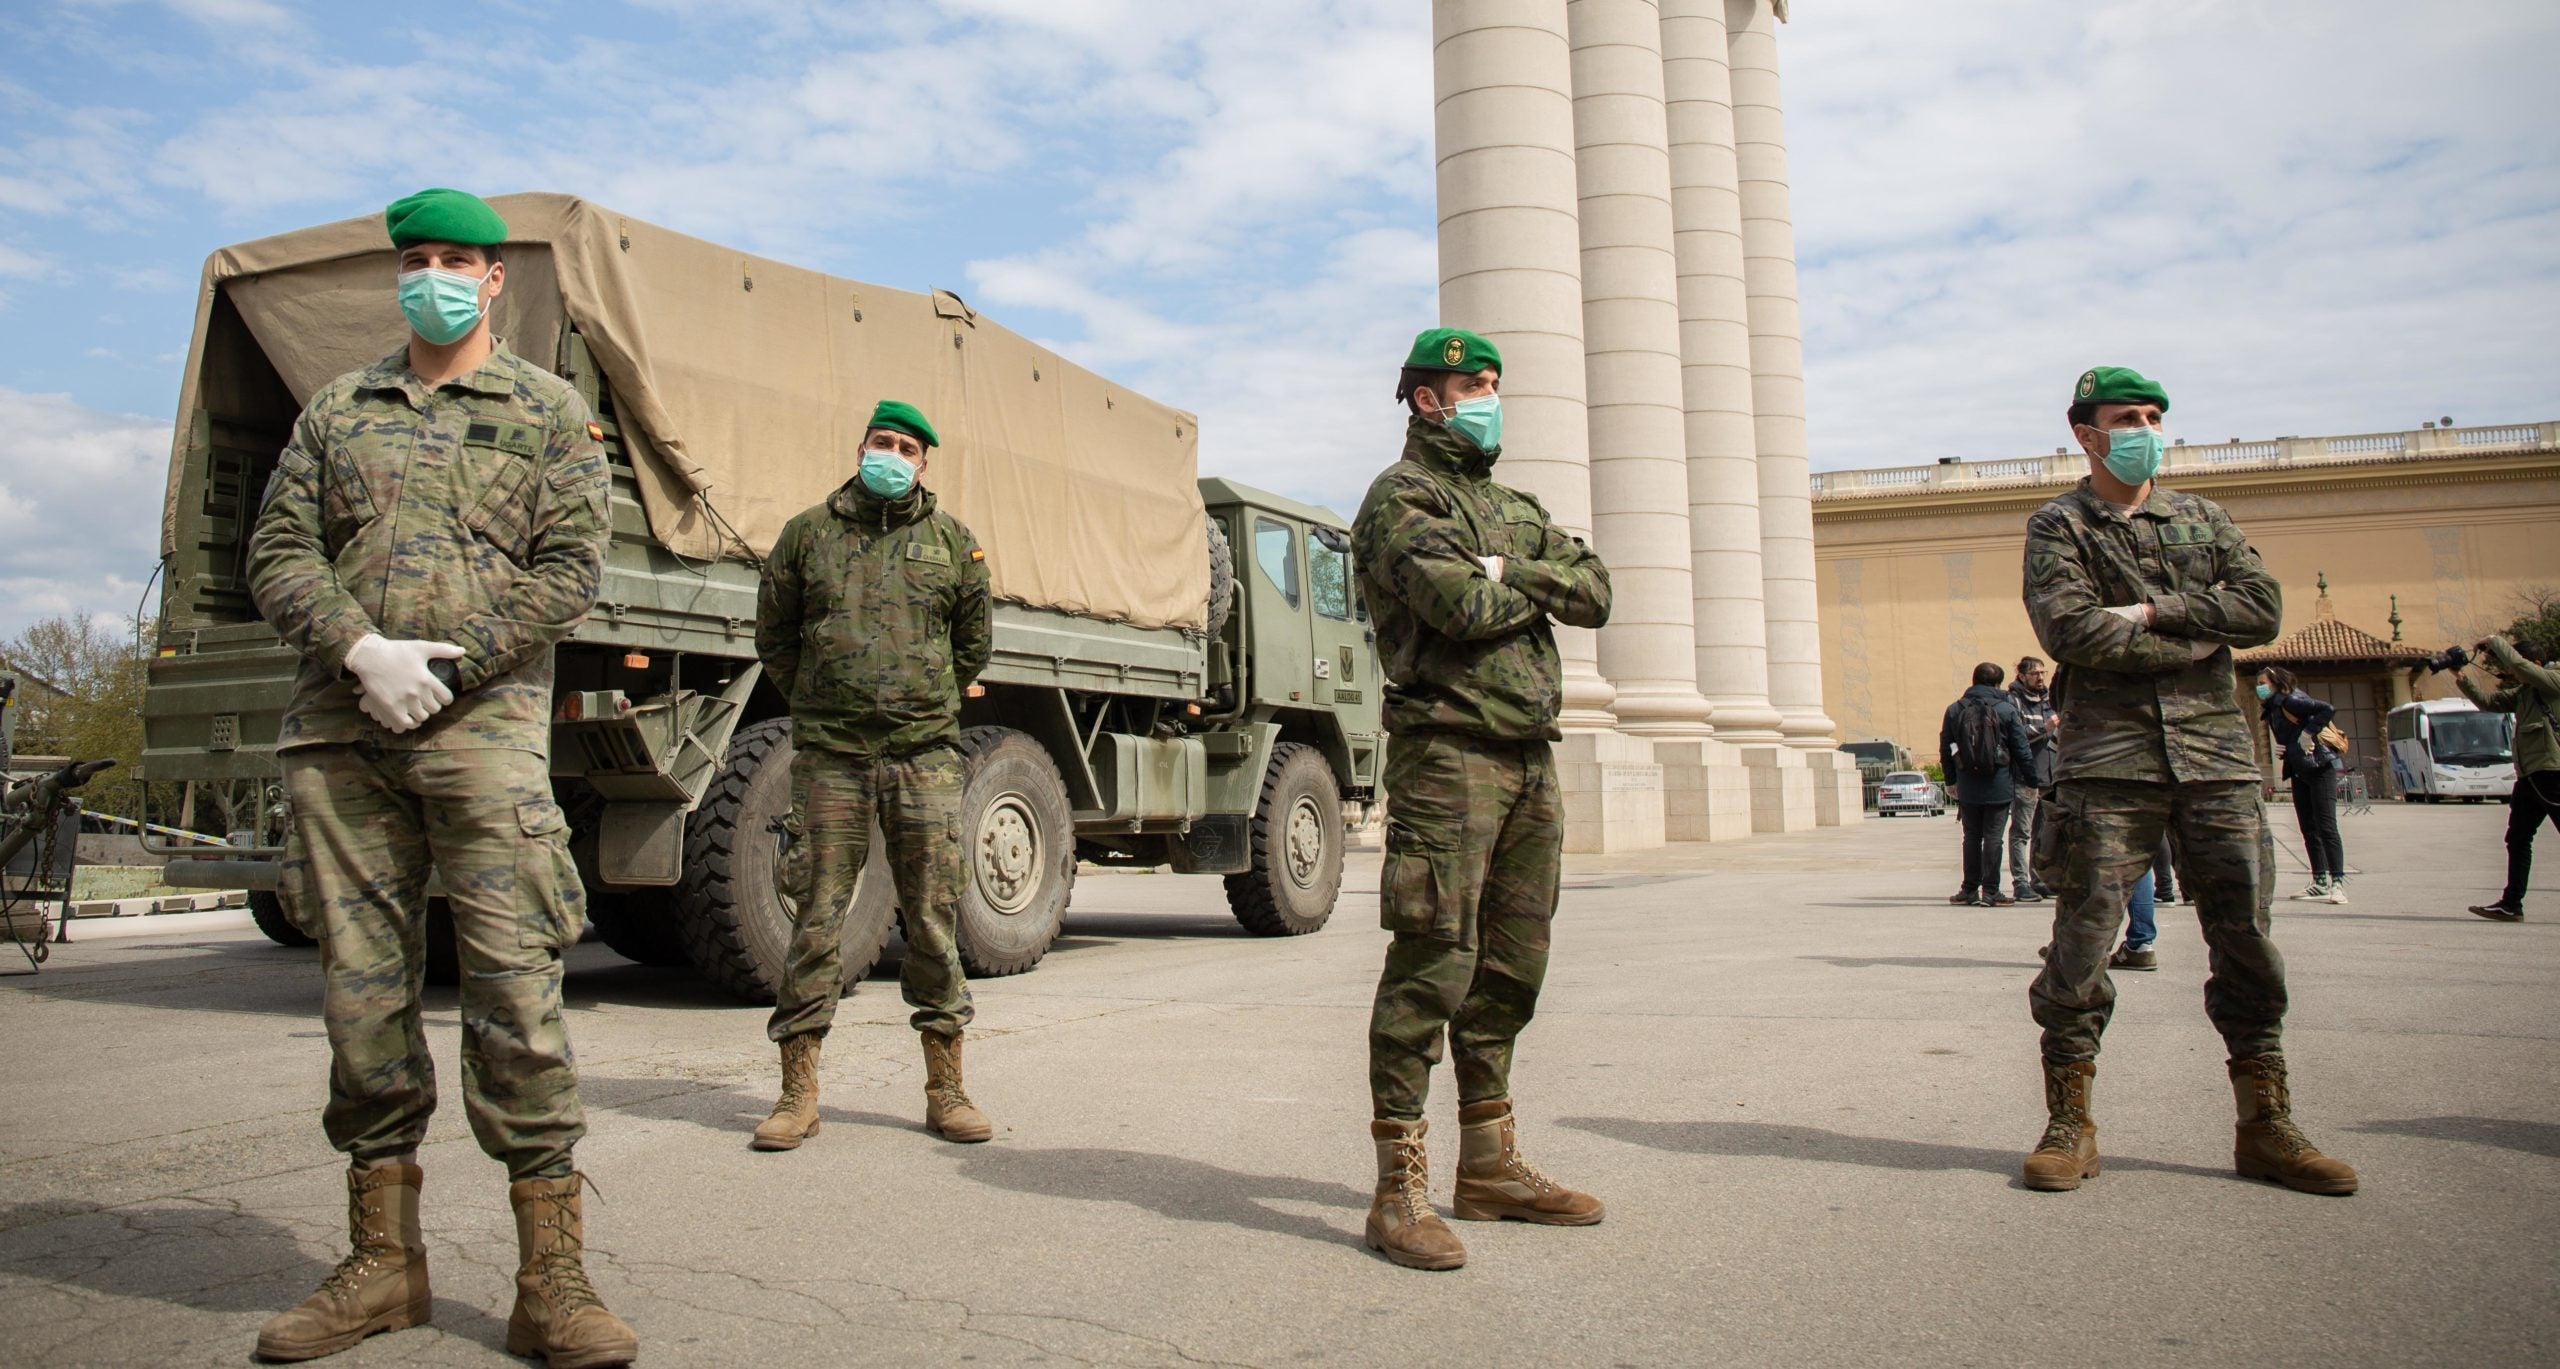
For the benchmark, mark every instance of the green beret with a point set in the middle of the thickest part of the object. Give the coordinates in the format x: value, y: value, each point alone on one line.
x: 444, y: 216
x: 1450, y: 349
x: 905, y: 418
x: 2118, y: 385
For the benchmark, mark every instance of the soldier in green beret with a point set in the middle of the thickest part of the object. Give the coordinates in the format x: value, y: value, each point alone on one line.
x: 2140, y: 594
x: 1465, y: 579
x: 436, y: 524
x: 873, y: 618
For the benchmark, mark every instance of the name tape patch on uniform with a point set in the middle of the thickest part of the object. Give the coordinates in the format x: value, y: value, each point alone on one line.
x: 923, y: 551
x: 2186, y: 534
x: 506, y: 437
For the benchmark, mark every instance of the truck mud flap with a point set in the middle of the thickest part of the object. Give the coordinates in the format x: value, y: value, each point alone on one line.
x: 1216, y: 845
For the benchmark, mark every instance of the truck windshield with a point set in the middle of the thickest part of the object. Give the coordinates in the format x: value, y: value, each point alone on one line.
x: 1870, y: 751
x: 2472, y: 738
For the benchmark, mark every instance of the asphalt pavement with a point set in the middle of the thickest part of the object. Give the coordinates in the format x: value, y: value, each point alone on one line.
x: 1802, y: 1081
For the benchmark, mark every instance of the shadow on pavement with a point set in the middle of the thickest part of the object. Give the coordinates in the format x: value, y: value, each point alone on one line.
x: 1169, y: 1186
x: 729, y: 1109
x: 1779, y: 1142
x: 1922, y: 962
x: 209, y: 1259
x: 2532, y: 1138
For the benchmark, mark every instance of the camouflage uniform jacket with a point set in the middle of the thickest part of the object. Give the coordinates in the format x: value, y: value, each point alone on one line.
x: 2535, y: 701
x: 1463, y: 652
x: 2133, y: 703
x: 873, y: 616
x: 473, y: 513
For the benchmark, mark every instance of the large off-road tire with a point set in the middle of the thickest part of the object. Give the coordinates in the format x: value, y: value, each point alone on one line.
x: 1222, y: 578
x: 735, y: 925
x: 266, y: 908
x: 1297, y: 839
x: 639, y: 925
x: 1018, y: 843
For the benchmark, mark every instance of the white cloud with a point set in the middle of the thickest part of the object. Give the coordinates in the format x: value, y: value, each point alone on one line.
x: 80, y: 495
x: 21, y: 264
x: 2303, y: 217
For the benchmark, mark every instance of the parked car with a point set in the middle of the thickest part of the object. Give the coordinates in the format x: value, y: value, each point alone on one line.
x: 1909, y: 791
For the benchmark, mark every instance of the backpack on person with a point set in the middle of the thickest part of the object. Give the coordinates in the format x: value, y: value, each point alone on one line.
x: 1978, y: 745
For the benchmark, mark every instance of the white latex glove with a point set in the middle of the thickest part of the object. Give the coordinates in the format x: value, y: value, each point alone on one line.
x: 393, y: 686
x: 2137, y: 614
x: 2199, y: 649
x: 1492, y: 567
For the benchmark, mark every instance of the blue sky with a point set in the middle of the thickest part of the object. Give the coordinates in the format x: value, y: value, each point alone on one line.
x: 2304, y: 215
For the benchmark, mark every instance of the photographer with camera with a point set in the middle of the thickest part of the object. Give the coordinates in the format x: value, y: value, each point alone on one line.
x: 2312, y: 759
x: 2530, y: 689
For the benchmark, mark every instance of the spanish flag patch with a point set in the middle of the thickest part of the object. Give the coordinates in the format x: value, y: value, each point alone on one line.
x: 596, y: 431
x: 977, y: 553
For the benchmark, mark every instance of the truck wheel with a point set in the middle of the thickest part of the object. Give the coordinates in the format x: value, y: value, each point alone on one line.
x: 1018, y: 839
x: 266, y: 908
x: 1296, y: 837
x: 735, y: 925
x: 639, y: 925
x: 1222, y: 578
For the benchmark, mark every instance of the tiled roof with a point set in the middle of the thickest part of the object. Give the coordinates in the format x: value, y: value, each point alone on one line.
x: 2327, y: 639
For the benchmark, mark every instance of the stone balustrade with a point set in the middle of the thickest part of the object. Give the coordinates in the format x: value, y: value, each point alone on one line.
x: 2063, y: 468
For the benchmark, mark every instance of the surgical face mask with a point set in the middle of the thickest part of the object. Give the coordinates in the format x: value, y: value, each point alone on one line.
x: 1479, y: 420
x: 2266, y: 692
x: 2134, y: 454
x: 887, y: 474
x: 442, y: 305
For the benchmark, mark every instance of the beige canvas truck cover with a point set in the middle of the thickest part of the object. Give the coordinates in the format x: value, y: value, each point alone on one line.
x: 742, y: 386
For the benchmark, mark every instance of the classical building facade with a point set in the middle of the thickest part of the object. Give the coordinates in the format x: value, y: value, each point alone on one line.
x: 1612, y: 180
x: 2388, y: 545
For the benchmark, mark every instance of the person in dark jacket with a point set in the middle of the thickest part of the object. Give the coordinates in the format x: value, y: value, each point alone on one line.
x: 1986, y: 779
x: 2295, y: 720
x: 2033, y: 695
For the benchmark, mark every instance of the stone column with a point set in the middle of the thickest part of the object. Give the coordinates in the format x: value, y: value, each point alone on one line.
x: 1777, y: 377
x: 1510, y: 260
x: 1715, y: 350
x: 1631, y: 366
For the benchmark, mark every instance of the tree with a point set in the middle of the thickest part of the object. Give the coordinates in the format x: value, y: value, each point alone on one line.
x: 2537, y: 609
x: 80, y: 695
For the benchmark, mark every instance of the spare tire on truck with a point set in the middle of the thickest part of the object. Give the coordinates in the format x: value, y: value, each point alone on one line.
x: 736, y: 925
x: 1018, y: 844
x: 1222, y: 578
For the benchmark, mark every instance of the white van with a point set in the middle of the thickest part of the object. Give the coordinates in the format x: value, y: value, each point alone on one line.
x: 2447, y: 749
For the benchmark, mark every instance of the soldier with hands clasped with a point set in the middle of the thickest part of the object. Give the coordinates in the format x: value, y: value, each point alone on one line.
x: 873, y: 617
x: 435, y: 526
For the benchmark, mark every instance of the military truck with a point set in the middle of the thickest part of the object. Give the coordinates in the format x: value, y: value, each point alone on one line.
x: 1148, y: 703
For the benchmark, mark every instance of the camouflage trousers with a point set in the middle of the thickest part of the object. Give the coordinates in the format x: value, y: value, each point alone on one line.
x: 1475, y: 848
x: 2098, y: 839
x: 834, y: 799
x: 369, y: 824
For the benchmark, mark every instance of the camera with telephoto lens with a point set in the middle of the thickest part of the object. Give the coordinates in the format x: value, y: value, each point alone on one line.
x: 2451, y: 658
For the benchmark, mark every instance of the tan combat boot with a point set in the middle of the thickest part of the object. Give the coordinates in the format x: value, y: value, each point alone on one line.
x: 557, y: 1314
x: 382, y: 1283
x: 947, y: 1109
x: 1495, y: 1182
x: 2267, y: 1145
x: 2069, y: 1151
x: 795, y: 1118
x: 1402, y: 1225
